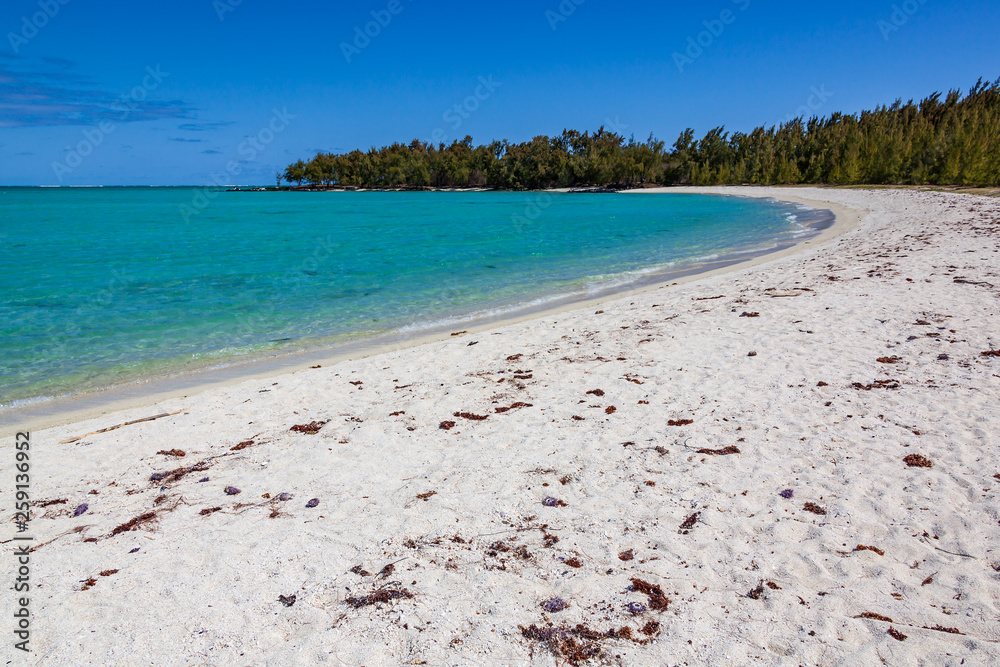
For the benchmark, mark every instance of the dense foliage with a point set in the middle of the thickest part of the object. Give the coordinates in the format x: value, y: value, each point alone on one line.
x: 943, y: 140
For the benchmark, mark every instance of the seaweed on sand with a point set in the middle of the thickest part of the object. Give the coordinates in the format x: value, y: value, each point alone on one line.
x: 134, y: 524
x: 726, y: 451
x: 657, y: 600
x: 379, y: 596
x: 580, y: 644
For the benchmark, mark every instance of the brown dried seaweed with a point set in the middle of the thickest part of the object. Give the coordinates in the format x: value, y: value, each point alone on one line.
x: 243, y: 445
x: 515, y: 406
x: 680, y: 422
x: 814, y: 508
x: 626, y: 556
x: 862, y: 547
x: 726, y: 451
x: 179, y: 453
x: 690, y: 522
x: 574, y: 562
x: 877, y: 384
x: 917, y: 461
x: 940, y: 628
x: 889, y: 360
x: 426, y: 496
x: 610, y: 410
x: 134, y: 524
x: 210, y: 510
x: 580, y: 644
x: 596, y: 392
x: 896, y: 634
x: 49, y: 503
x: 446, y: 425
x: 875, y: 617
x: 380, y: 596
x: 309, y: 429
x: 178, y: 474
x: 471, y: 416
x: 657, y: 600
x: 562, y: 642
x: 991, y: 353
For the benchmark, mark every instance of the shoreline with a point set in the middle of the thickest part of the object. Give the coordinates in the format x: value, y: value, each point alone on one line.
x: 49, y: 412
x: 794, y: 463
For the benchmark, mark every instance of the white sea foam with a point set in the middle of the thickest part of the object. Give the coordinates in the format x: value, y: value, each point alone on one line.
x: 24, y: 402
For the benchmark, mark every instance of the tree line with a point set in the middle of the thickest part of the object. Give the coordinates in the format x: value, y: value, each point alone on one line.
x: 951, y: 139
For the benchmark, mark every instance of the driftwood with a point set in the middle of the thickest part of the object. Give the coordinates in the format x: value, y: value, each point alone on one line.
x: 112, y: 428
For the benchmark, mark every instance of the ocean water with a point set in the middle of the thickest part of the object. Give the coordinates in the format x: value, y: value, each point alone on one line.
x: 105, y: 286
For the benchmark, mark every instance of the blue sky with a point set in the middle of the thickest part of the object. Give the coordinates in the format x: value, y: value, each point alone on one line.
x: 171, y: 93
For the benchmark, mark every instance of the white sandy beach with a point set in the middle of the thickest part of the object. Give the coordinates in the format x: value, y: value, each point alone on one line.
x: 452, y: 524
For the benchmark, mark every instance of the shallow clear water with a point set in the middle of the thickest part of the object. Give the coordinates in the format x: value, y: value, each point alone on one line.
x: 104, y: 286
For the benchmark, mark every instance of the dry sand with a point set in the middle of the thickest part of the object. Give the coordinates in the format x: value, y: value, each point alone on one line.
x: 868, y: 349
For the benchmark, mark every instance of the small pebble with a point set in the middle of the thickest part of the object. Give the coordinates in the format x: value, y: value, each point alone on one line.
x: 752, y: 354
x: 554, y: 605
x: 943, y: 357
x: 157, y: 476
x: 551, y: 502
x: 787, y: 494
x: 203, y: 480
x: 313, y: 503
x: 232, y: 491
x: 136, y: 550
x: 81, y: 509
x: 284, y: 497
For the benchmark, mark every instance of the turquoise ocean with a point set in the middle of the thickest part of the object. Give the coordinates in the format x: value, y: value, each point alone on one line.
x: 105, y: 286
